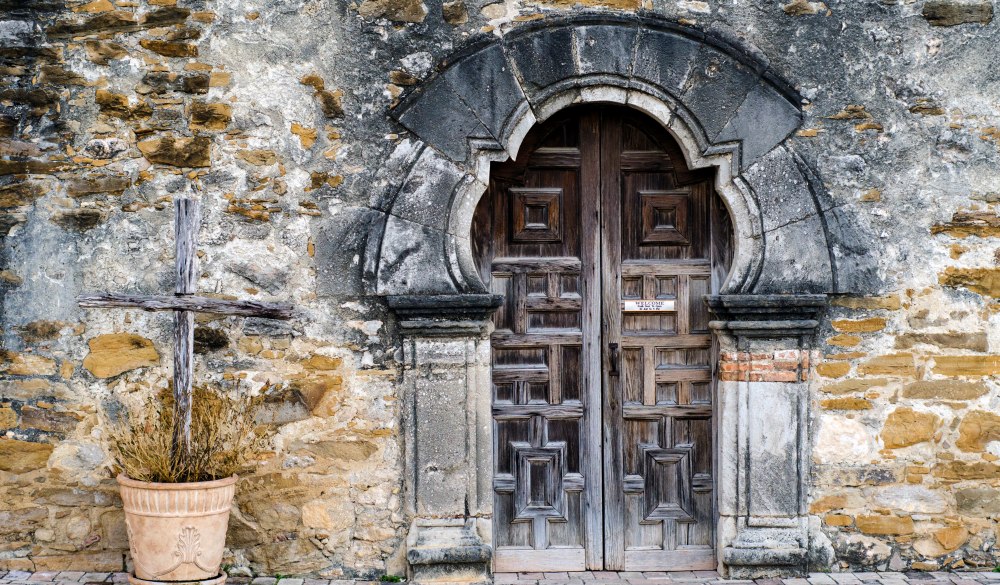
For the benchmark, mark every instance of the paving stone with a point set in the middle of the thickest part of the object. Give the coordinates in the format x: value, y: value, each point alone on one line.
x: 43, y: 576
x: 96, y: 577
x: 264, y: 581
x: 821, y: 579
x: 556, y: 575
x: 707, y: 574
x: 866, y: 576
x: 499, y: 578
x: 291, y: 581
x: 529, y: 576
x: 655, y: 574
x: 795, y: 581
x: 119, y: 577
x: 18, y: 575
x: 71, y: 576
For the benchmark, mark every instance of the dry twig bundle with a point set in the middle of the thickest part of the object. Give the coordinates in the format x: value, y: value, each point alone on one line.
x: 225, y: 438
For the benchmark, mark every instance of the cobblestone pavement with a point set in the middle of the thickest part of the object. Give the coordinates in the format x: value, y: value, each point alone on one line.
x: 581, y: 578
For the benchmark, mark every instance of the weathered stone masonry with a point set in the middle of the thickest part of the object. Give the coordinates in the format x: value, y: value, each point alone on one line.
x: 866, y: 173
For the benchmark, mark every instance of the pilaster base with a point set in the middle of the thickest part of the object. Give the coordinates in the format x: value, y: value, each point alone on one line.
x: 766, y: 552
x: 449, y: 551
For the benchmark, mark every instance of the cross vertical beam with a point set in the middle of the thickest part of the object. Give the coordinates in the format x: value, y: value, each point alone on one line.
x: 187, y: 218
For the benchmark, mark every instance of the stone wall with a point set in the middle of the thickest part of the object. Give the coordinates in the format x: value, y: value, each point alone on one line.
x: 274, y: 115
x: 906, y: 430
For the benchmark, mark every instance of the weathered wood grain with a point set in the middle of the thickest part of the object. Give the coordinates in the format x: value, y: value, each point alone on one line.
x: 183, y: 366
x: 186, y: 220
x: 194, y: 303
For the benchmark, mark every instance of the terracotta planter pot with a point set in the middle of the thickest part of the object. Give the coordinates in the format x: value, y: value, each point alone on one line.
x: 177, y: 531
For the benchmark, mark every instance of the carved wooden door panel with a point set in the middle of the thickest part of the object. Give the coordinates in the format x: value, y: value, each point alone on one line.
x: 658, y: 431
x: 538, y: 244
x: 602, y: 419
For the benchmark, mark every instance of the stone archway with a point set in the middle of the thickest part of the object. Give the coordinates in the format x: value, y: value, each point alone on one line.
x: 728, y: 109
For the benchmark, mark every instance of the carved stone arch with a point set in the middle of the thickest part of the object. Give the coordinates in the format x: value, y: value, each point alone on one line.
x: 719, y: 99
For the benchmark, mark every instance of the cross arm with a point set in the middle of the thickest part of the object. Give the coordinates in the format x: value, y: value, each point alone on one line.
x: 188, y: 303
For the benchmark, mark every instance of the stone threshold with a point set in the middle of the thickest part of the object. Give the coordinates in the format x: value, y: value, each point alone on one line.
x: 573, y: 578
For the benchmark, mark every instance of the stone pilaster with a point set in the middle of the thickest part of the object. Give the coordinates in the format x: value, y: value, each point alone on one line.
x: 448, y: 433
x: 765, y: 358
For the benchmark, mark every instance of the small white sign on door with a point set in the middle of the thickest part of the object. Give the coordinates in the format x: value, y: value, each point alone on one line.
x: 648, y: 306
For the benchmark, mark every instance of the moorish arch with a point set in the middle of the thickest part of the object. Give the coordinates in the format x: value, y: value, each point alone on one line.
x: 726, y: 108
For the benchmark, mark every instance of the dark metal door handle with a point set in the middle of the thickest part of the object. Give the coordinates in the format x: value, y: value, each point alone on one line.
x: 613, y: 358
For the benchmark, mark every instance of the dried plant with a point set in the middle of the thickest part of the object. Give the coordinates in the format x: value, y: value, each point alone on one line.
x: 225, y: 438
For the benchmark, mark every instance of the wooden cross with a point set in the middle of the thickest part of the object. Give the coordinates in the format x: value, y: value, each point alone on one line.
x: 184, y: 303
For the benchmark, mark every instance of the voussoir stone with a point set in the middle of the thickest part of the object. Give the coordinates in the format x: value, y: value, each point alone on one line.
x: 115, y: 353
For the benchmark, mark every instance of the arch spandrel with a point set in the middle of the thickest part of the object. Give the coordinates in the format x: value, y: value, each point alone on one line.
x: 732, y: 111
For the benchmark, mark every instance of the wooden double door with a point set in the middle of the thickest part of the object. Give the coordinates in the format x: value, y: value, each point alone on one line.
x: 603, y: 245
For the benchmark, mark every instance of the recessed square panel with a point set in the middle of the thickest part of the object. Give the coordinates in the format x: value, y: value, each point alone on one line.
x: 667, y: 483
x: 538, y: 489
x: 537, y: 215
x: 664, y: 217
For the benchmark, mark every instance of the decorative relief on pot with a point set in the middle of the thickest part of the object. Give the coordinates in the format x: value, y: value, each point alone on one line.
x: 187, y: 552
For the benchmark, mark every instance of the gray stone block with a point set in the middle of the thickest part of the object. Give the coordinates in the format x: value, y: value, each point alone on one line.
x: 605, y: 49
x: 338, y: 272
x: 413, y: 260
x: 773, y: 437
x: 425, y: 196
x: 782, y: 192
x: 443, y: 120
x: 664, y: 59
x: 486, y: 83
x: 716, y: 88
x: 763, y: 120
x: 854, y: 248
x: 543, y: 57
x: 796, y: 260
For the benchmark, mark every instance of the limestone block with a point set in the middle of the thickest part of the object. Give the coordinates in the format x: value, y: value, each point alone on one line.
x: 912, y: 499
x: 978, y: 501
x: 23, y: 456
x: 116, y: 353
x: 843, y: 440
x: 977, y: 430
x: 905, y: 427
